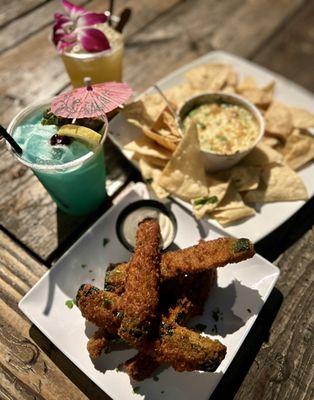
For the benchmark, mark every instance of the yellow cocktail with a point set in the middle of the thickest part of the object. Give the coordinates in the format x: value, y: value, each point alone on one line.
x: 103, y: 66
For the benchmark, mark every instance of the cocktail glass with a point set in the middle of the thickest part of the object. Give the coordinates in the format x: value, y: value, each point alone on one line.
x: 101, y: 67
x: 78, y: 186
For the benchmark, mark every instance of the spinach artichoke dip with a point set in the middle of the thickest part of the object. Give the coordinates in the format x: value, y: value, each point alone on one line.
x: 223, y: 128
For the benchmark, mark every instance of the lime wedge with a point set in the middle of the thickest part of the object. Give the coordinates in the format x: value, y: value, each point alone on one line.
x: 81, y: 133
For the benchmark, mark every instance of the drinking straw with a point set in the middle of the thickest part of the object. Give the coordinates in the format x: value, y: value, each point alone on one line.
x: 124, y: 19
x: 111, y: 6
x: 10, y: 139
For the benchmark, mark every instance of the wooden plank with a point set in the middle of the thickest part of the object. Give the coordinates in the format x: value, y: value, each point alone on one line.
x: 26, y: 372
x: 11, y: 9
x: 276, y: 360
x: 295, y: 41
x: 25, y: 26
x: 248, y: 27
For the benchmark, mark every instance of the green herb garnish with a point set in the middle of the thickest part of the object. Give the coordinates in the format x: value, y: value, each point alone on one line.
x: 149, y: 180
x: 249, y: 310
x: 155, y: 378
x: 205, y: 200
x: 70, y: 303
x: 136, y: 389
x: 222, y: 138
x: 83, y: 266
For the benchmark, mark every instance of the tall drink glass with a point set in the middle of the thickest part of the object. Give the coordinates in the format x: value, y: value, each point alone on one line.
x: 78, y: 186
x: 101, y: 67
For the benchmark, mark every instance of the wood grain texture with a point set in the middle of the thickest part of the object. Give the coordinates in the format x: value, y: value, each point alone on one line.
x: 291, y: 52
x: 11, y: 9
x: 247, y: 27
x: 26, y: 372
x: 19, y: 29
x: 284, y: 367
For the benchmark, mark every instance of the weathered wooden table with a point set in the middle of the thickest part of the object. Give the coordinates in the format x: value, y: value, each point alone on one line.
x: 276, y: 361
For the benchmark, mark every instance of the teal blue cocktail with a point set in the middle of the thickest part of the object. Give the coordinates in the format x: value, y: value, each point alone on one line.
x: 73, y: 174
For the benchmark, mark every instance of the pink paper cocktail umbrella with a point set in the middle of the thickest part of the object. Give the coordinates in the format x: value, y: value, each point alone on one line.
x: 91, y: 101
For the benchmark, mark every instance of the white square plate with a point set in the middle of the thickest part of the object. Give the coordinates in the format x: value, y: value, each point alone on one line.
x: 240, y: 293
x: 268, y: 216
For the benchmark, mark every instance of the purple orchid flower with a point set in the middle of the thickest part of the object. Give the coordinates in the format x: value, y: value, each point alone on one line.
x: 76, y: 25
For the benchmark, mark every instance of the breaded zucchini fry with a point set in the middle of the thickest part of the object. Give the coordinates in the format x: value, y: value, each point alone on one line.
x: 100, y: 307
x: 199, y: 258
x: 141, y: 296
x: 140, y: 367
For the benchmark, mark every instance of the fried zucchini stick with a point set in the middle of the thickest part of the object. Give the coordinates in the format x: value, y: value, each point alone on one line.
x: 190, y: 303
x: 199, y: 258
x: 180, y: 347
x: 141, y: 296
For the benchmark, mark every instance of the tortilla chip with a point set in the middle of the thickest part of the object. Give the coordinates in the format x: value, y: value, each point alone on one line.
x: 177, y: 95
x: 216, y: 191
x: 229, y: 90
x: 137, y: 111
x: 259, y: 96
x: 231, y: 208
x: 245, y: 177
x: 151, y: 175
x: 153, y: 161
x: 278, y: 120
x: 262, y: 155
x: 301, y: 118
x: 162, y: 140
x: 278, y: 183
x: 171, y: 124
x: 209, y: 77
x: 247, y: 83
x: 184, y: 175
x: 146, y: 147
x: 299, y: 149
x: 154, y: 106
x: 270, y: 141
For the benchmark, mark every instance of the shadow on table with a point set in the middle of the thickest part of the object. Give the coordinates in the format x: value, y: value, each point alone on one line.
x: 259, y: 333
x: 278, y: 241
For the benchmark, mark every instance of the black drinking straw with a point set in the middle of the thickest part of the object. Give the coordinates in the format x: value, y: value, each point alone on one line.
x: 111, y: 6
x: 10, y: 139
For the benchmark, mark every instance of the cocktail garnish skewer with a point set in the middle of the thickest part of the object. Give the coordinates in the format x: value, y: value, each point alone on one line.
x: 169, y: 105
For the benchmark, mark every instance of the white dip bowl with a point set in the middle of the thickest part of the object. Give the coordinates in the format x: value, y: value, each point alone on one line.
x: 215, y: 161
